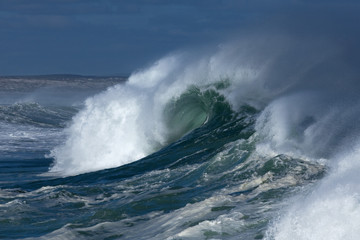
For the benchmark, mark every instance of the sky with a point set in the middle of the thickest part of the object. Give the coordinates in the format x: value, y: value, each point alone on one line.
x: 117, y: 37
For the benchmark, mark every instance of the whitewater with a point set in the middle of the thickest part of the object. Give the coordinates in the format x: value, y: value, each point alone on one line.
x: 256, y: 138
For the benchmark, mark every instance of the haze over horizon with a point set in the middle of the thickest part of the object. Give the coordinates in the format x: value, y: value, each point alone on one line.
x: 111, y: 37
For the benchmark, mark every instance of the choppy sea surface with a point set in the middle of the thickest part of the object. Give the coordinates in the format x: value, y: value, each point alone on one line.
x: 188, y: 148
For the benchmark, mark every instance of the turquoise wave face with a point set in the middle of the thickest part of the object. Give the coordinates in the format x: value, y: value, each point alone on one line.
x: 185, y: 113
x: 192, y: 109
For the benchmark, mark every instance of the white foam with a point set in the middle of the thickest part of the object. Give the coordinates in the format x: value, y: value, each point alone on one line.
x: 331, y: 212
x: 109, y: 132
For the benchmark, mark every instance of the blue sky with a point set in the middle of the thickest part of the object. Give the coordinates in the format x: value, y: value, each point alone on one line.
x: 119, y: 36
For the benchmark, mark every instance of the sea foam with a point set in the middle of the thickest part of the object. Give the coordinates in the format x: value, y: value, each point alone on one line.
x: 331, y: 211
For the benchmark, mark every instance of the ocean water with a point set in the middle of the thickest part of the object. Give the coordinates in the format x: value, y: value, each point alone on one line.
x: 236, y: 143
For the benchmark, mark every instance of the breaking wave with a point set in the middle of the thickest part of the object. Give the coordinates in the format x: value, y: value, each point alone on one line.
x: 298, y: 119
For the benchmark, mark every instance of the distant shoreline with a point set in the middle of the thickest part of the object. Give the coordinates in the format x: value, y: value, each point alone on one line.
x: 32, y: 82
x: 62, y: 76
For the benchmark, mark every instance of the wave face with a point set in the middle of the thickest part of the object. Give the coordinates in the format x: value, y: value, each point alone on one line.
x: 251, y: 140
